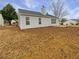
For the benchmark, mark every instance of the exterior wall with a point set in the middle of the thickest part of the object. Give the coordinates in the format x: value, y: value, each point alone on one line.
x: 34, y: 22
x: 1, y: 20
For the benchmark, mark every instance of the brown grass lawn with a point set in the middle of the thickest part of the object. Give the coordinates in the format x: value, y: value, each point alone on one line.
x: 41, y: 43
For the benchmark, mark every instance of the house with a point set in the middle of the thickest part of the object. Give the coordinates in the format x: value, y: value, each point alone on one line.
x: 32, y: 19
x: 70, y: 22
x: 1, y: 20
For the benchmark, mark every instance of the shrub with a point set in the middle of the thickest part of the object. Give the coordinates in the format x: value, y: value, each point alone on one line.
x: 77, y: 24
x: 61, y: 23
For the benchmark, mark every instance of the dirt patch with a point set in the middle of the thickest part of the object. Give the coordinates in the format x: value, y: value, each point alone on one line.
x: 40, y: 43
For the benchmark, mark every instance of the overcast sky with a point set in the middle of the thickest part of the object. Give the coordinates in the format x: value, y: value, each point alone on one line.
x: 35, y: 5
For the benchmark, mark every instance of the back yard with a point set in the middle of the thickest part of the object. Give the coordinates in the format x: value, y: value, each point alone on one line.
x: 41, y: 43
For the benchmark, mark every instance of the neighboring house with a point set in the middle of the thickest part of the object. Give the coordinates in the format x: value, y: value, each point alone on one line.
x: 32, y: 19
x: 1, y: 20
x: 77, y: 20
x: 70, y: 22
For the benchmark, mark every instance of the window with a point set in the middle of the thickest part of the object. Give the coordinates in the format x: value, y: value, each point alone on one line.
x: 39, y: 20
x: 27, y: 21
x: 53, y: 21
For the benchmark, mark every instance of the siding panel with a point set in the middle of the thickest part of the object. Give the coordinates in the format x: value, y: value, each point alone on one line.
x: 34, y: 22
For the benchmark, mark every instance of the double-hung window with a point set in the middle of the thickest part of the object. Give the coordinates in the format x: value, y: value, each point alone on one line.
x: 53, y: 21
x: 27, y: 21
x: 39, y: 20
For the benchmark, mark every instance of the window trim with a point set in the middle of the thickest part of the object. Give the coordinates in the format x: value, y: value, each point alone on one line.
x: 53, y: 22
x: 27, y: 21
x: 40, y: 22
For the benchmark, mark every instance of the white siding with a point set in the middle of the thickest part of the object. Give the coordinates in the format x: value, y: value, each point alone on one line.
x: 34, y: 22
x: 1, y: 20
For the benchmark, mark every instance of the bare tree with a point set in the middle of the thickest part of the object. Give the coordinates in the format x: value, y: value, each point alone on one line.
x: 58, y: 8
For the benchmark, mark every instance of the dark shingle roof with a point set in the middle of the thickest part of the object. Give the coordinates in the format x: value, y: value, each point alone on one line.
x: 34, y: 13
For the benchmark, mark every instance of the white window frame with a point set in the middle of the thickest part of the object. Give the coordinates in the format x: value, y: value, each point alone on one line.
x: 53, y: 21
x: 40, y: 22
x: 27, y: 21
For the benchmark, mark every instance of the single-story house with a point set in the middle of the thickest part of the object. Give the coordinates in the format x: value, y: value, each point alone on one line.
x: 32, y: 19
x: 1, y: 20
x: 70, y: 22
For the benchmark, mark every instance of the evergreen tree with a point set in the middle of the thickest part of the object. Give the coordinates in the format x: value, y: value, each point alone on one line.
x: 9, y: 13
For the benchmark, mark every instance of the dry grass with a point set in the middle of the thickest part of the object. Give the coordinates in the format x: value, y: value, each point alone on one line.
x: 41, y: 43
